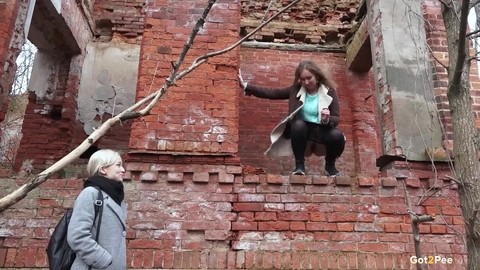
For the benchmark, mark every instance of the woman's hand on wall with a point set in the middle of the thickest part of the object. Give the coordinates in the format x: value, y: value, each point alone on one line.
x: 242, y: 83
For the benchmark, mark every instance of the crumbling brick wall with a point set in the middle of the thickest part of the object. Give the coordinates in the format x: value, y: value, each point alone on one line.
x: 218, y: 217
x: 50, y: 116
x: 199, y: 115
x: 193, y: 202
x: 118, y: 20
x: 52, y: 126
x: 8, y: 16
x: 308, y: 22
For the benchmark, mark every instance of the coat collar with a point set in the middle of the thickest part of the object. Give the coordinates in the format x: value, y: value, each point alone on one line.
x: 324, y: 99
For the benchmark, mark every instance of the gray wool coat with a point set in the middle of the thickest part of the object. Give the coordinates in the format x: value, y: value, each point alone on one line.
x: 110, y: 251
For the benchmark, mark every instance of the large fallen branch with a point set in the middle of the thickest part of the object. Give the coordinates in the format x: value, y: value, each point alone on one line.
x: 131, y: 113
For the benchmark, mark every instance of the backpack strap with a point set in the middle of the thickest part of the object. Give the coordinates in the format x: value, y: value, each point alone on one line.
x: 98, y: 204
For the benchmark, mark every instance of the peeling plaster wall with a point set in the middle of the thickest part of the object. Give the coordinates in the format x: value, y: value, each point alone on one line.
x: 404, y: 80
x: 42, y: 80
x: 108, y: 82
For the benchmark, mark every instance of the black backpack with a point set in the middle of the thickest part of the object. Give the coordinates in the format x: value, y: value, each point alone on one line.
x: 60, y: 255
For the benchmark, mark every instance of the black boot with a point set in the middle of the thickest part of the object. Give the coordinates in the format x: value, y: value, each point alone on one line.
x: 330, y: 169
x: 299, y: 168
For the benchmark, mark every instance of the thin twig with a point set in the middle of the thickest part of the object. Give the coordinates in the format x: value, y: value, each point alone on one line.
x: 200, y: 60
x: 474, y: 3
x: 424, y: 198
x: 268, y: 9
x: 471, y: 224
x: 473, y: 33
x: 414, y: 220
x: 436, y: 59
x: 445, y: 3
x: 453, y: 179
x: 186, y: 47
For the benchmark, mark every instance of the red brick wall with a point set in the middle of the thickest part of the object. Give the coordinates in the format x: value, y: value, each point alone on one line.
x: 119, y: 20
x: 8, y: 9
x: 8, y: 15
x: 48, y: 126
x: 216, y: 217
x: 436, y: 39
x: 307, y: 22
x: 209, y: 212
x: 51, y: 129
x: 378, y: 55
x: 274, y: 68
x: 200, y: 114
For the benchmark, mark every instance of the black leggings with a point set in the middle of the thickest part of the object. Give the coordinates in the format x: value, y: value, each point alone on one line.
x: 331, y: 137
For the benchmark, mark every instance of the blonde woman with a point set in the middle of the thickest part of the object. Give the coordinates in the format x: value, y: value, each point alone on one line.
x: 109, y: 251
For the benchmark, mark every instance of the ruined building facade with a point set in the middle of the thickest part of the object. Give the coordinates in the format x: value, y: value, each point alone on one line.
x: 201, y: 194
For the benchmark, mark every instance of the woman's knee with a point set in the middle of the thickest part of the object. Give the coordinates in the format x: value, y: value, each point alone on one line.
x: 335, y: 135
x: 298, y: 126
x: 298, y: 130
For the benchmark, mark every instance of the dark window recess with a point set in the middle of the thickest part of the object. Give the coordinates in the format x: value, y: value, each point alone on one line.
x: 56, y: 112
x: 87, y: 154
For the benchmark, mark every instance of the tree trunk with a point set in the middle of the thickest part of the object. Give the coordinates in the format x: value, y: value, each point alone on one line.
x: 466, y: 168
x: 464, y: 131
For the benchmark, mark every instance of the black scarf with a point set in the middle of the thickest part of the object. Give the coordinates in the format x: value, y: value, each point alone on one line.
x: 113, y: 188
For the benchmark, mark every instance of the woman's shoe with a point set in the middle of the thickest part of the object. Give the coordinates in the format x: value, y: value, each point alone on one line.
x: 330, y: 169
x: 299, y: 169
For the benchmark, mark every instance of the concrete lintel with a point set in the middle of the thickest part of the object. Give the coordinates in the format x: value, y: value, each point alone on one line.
x: 48, y: 30
x: 292, y: 47
x: 359, y: 54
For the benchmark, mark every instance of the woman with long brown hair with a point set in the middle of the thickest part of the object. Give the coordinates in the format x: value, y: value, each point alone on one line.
x: 311, y: 125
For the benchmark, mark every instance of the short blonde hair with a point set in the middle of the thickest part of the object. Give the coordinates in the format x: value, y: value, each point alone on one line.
x: 101, y: 158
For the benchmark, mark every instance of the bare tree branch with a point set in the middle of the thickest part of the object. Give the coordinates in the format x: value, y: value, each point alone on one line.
x: 415, y: 220
x: 425, y: 197
x: 473, y: 33
x: 447, y: 4
x: 462, y: 50
x: 130, y: 113
x: 268, y: 9
x: 436, y: 59
x: 200, y: 60
x: 171, y: 79
x: 474, y: 3
x: 471, y: 223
